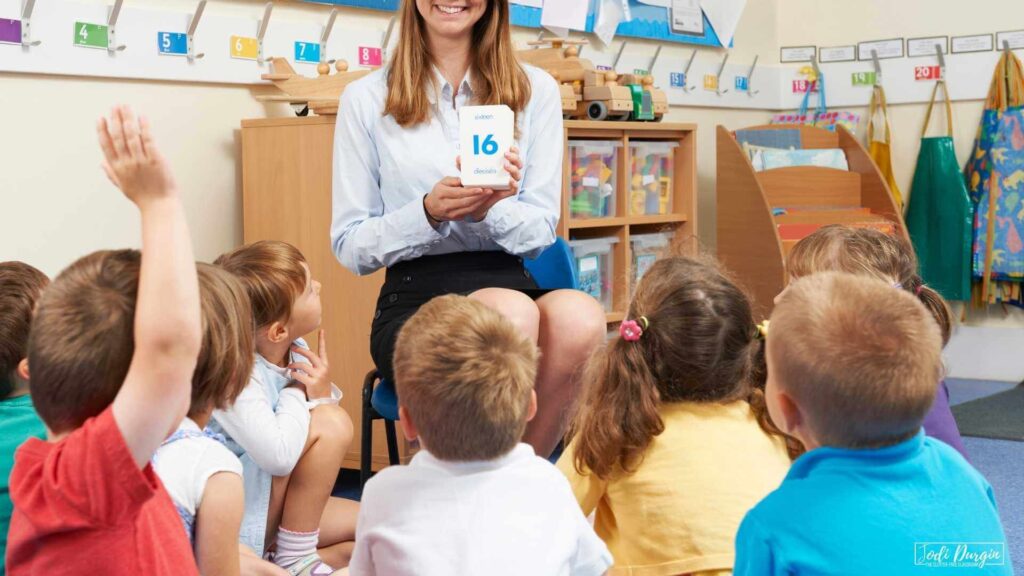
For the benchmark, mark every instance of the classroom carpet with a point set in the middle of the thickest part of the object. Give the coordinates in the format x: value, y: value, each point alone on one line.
x: 1000, y: 461
x: 1000, y: 416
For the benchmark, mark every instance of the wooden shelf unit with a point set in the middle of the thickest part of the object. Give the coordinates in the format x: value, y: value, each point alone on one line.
x: 749, y: 240
x: 682, y: 221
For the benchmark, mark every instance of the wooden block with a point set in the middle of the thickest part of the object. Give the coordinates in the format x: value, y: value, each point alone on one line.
x: 810, y: 186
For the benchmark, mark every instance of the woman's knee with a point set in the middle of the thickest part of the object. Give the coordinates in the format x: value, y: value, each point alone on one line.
x: 571, y: 321
x: 332, y: 422
x: 517, y: 307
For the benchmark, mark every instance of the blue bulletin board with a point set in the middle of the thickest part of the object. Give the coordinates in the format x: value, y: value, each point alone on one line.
x: 649, y: 22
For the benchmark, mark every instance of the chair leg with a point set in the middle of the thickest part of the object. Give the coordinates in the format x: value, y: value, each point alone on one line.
x: 389, y: 429
x: 366, y: 447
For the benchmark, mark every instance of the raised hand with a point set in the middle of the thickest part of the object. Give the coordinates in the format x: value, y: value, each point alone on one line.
x: 314, y: 375
x: 131, y: 159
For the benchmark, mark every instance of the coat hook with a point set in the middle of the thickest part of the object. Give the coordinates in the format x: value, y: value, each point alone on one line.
x: 750, y: 79
x: 686, y: 73
x: 193, y: 23
x: 27, y: 6
x: 326, y: 35
x: 718, y: 77
x: 112, y: 15
x: 263, y: 24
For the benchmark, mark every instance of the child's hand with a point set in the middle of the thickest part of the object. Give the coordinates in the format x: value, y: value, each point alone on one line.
x: 131, y: 159
x: 314, y: 375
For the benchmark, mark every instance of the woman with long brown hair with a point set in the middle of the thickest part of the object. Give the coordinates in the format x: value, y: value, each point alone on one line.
x: 399, y: 204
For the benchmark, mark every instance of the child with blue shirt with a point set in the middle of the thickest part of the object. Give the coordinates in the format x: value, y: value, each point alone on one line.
x: 852, y: 369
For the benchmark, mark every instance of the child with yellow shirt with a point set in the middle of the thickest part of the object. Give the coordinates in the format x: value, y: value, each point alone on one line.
x: 672, y: 444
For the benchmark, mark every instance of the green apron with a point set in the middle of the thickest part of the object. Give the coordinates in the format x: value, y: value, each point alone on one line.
x: 939, y: 213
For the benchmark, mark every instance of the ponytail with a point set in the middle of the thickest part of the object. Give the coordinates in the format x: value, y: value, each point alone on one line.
x: 619, y: 415
x: 758, y: 403
x: 936, y: 304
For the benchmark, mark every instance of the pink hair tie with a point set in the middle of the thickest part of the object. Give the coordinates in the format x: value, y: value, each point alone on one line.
x: 631, y: 330
x: 917, y: 291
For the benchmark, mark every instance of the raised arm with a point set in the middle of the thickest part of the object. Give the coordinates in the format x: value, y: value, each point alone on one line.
x: 156, y: 391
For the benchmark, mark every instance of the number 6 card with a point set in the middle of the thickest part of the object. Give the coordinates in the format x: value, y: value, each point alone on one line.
x: 485, y: 135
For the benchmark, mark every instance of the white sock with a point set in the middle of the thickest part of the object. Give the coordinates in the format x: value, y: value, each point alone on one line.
x: 294, y: 546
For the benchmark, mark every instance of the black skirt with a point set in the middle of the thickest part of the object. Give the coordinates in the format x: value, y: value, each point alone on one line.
x: 411, y: 284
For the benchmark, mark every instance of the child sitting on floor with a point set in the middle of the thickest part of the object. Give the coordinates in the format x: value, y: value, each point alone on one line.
x: 20, y: 288
x: 672, y: 444
x: 871, y: 253
x: 112, y: 349
x: 474, y: 499
x: 286, y: 425
x: 202, y: 476
x: 852, y: 371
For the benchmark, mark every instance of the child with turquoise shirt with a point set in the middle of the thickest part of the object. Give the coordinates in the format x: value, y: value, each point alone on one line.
x: 20, y: 287
x: 852, y: 370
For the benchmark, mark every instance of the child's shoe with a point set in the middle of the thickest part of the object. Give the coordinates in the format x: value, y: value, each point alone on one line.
x: 310, y: 565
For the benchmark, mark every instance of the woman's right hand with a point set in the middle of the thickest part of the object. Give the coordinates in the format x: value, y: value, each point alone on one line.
x: 450, y: 201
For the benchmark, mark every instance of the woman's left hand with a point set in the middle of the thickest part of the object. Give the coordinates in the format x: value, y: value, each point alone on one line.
x: 514, y: 167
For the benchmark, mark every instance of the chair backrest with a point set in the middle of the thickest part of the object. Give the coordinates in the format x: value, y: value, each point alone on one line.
x: 554, y: 269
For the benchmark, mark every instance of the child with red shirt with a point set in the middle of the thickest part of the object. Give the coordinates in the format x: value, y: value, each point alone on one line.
x: 112, y: 349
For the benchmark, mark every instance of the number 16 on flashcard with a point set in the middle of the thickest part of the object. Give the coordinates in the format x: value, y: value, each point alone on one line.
x: 244, y: 48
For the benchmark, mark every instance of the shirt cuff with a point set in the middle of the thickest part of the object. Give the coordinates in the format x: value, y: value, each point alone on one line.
x: 334, y: 398
x: 496, y: 223
x: 411, y: 222
x: 294, y: 393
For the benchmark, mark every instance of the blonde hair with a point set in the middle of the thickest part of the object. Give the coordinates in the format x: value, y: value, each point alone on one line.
x: 273, y: 275
x: 701, y: 345
x: 465, y: 375
x: 498, y: 78
x: 868, y: 252
x: 861, y: 360
x: 226, y: 357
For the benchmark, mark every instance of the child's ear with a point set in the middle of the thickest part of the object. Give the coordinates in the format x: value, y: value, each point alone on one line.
x: 792, y: 418
x: 408, y: 426
x: 277, y: 332
x: 23, y: 369
x: 531, y: 410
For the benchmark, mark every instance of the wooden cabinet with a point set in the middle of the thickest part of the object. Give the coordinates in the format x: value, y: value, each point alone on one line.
x: 286, y: 195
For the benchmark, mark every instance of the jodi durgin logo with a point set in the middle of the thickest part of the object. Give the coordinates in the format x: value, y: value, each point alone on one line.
x: 959, y: 554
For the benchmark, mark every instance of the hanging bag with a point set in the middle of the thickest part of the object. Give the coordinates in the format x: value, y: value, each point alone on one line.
x: 939, y: 211
x: 995, y: 176
x: 881, y: 150
x: 821, y: 117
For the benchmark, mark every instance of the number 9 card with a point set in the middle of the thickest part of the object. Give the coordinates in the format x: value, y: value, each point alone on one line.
x: 485, y: 135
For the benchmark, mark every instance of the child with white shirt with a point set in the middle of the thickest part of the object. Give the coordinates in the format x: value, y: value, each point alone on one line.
x: 203, y: 477
x: 474, y: 500
x: 287, y: 426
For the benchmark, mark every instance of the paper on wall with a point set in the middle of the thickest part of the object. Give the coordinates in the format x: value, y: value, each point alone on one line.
x: 609, y: 14
x: 658, y: 3
x: 529, y: 3
x: 560, y: 16
x: 687, y: 17
x: 724, y: 16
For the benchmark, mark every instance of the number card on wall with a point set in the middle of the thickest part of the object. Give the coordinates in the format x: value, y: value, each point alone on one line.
x: 804, y: 85
x: 677, y: 79
x: 640, y: 72
x: 863, y: 78
x: 742, y: 83
x: 10, y: 31
x: 369, y: 56
x: 710, y: 82
x: 244, y: 48
x: 307, y: 52
x: 172, y: 43
x: 927, y: 73
x: 90, y: 35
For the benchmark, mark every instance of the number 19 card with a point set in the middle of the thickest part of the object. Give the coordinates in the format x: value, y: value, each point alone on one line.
x: 485, y: 135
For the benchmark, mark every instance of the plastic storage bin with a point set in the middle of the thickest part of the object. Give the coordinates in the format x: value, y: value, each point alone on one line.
x: 594, y: 267
x: 645, y: 249
x: 650, y: 182
x: 592, y: 182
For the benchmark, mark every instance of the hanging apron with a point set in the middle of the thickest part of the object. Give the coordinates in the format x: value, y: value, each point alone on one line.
x: 881, y: 150
x: 995, y: 175
x: 939, y: 212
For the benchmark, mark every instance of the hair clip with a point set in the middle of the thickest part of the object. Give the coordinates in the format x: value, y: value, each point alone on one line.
x: 632, y: 330
x: 897, y: 285
x: 917, y: 291
x: 762, y: 330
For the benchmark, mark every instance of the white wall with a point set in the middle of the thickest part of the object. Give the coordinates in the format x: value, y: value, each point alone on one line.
x: 58, y: 205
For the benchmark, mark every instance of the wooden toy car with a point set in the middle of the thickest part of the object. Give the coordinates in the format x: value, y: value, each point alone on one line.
x: 320, y: 94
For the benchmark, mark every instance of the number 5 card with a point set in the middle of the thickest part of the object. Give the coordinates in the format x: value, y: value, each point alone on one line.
x: 485, y: 135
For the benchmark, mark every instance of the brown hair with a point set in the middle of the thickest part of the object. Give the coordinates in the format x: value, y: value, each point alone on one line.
x: 83, y: 338
x: 465, y: 375
x: 20, y: 287
x: 273, y: 275
x: 861, y: 360
x: 498, y: 77
x: 701, y: 345
x: 868, y: 252
x: 226, y: 356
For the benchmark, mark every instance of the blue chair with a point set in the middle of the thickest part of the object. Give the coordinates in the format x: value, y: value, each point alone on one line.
x: 554, y: 269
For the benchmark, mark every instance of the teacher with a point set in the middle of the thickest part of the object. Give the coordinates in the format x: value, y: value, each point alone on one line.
x: 398, y: 202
